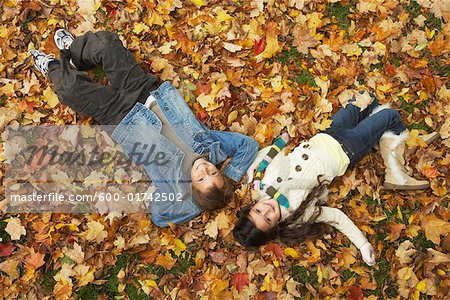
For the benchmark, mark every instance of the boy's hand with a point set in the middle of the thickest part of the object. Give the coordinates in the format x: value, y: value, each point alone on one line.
x: 368, y: 254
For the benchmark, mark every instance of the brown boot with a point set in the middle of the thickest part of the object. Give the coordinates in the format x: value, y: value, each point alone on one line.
x: 392, y: 148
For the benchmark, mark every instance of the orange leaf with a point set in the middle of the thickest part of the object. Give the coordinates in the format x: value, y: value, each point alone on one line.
x: 35, y: 260
x: 240, y: 280
x: 270, y: 110
x: 276, y: 249
x: 430, y: 171
x: 355, y: 293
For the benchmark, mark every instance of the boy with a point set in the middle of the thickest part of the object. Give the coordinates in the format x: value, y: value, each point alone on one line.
x: 149, y: 115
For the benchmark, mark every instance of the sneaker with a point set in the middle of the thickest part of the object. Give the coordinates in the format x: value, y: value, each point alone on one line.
x: 63, y: 39
x: 41, y: 60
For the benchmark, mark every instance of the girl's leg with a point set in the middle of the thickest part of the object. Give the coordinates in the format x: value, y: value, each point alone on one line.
x: 106, y: 49
x: 350, y: 115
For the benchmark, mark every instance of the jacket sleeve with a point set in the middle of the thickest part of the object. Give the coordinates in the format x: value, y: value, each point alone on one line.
x: 240, y: 147
x: 339, y: 220
x: 177, y: 212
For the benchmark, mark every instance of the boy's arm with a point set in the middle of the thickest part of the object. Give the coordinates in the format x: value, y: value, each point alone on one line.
x: 240, y: 147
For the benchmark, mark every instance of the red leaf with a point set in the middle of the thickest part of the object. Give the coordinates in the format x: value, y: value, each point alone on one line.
x: 202, y: 116
x: 355, y: 293
x: 259, y: 46
x: 240, y: 280
x: 390, y: 70
x: 6, y: 249
x: 276, y: 249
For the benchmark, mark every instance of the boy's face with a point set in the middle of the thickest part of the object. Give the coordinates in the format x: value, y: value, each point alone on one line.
x: 205, y: 175
x: 265, y: 214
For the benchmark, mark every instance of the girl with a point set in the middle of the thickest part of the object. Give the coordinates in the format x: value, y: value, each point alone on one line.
x: 295, y: 185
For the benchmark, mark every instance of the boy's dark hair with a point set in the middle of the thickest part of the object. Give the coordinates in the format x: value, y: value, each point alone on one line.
x: 215, y: 197
x: 288, y: 231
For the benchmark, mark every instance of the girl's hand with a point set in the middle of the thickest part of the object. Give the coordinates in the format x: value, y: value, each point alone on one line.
x: 368, y: 254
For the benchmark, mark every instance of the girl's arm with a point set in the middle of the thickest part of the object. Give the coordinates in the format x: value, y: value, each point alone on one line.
x: 258, y: 159
x: 339, y: 220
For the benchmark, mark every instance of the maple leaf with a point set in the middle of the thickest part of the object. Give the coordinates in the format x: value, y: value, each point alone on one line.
x: 405, y: 251
x: 303, y: 39
x: 35, y: 259
x: 240, y: 280
x: 434, y: 227
x: 96, y: 232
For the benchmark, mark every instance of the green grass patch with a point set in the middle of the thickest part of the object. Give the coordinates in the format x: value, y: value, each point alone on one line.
x: 347, y: 275
x: 382, y: 278
x: 341, y: 13
x: 111, y: 286
x: 3, y: 234
x: 421, y: 241
x: 88, y: 292
x: 409, y: 106
x: 305, y: 78
x: 48, y: 283
x: 135, y: 293
x: 98, y: 73
x: 303, y: 275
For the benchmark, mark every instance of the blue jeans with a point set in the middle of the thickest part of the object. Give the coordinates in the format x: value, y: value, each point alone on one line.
x: 358, y: 131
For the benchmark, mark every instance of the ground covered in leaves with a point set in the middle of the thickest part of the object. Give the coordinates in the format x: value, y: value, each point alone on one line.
x: 252, y: 67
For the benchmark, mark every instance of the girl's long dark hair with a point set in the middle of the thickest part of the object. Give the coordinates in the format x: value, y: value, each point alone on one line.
x: 291, y: 230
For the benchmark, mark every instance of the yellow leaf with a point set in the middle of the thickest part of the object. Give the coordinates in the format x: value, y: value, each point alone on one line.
x: 223, y: 16
x: 276, y: 83
x: 7, y: 89
x: 138, y: 28
x: 352, y: 49
x: 266, y: 284
x: 272, y: 45
x: 166, y: 261
x: 3, y: 32
x: 319, y: 275
x: 179, y: 247
x: 52, y: 22
x: 232, y: 116
x: 150, y: 283
x: 326, y: 123
x: 96, y: 232
x: 291, y: 252
x: 50, y: 97
x: 199, y: 2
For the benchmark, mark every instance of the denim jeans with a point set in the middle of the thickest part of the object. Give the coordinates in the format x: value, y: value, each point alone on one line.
x: 108, y: 105
x: 358, y: 131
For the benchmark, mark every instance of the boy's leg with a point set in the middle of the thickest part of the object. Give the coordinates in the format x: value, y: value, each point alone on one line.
x: 75, y: 89
x: 106, y: 49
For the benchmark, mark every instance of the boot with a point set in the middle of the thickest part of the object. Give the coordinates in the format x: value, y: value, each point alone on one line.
x: 392, y: 148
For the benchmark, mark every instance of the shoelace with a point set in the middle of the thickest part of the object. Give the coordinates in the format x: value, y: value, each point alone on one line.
x: 41, y: 62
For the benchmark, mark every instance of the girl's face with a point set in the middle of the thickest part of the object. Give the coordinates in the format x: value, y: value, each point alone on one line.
x: 265, y: 214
